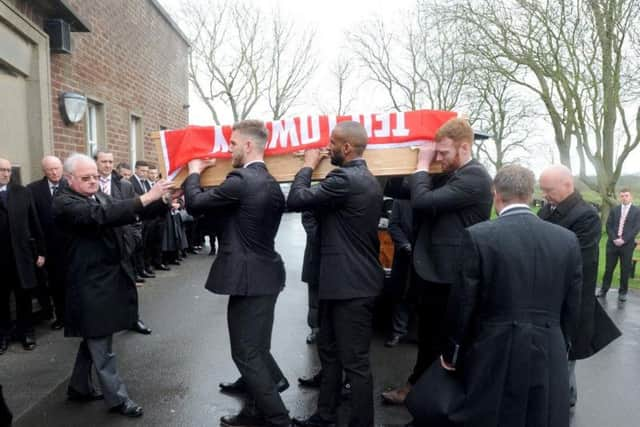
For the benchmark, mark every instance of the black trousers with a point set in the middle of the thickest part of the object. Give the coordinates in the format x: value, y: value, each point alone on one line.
x: 24, y: 317
x: 625, y: 255
x: 250, y: 320
x: 55, y: 277
x: 5, y: 413
x: 432, y: 309
x: 313, y: 312
x: 343, y: 343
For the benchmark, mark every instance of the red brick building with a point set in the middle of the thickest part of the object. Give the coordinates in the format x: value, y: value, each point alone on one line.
x: 127, y: 57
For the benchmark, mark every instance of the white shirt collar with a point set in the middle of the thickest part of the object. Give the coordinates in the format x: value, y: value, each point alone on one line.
x: 105, y: 178
x: 513, y: 206
x: 3, y: 188
x: 53, y: 184
x: 252, y: 162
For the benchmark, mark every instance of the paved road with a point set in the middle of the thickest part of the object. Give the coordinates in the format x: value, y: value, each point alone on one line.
x: 174, y: 372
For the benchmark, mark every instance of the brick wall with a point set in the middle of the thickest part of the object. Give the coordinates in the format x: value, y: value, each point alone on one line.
x: 132, y: 62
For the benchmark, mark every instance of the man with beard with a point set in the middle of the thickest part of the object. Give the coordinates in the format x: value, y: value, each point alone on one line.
x: 565, y: 207
x: 101, y: 292
x: 247, y: 207
x: 347, y: 205
x: 43, y: 192
x: 441, y: 212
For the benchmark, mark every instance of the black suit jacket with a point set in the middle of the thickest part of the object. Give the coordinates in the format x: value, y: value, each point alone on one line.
x: 43, y: 200
x: 631, y: 225
x: 347, y: 204
x: 137, y: 186
x: 512, y: 312
x: 27, y: 239
x: 247, y: 208
x: 443, y: 213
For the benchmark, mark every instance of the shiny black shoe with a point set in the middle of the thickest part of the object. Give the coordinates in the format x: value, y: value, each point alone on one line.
x: 236, y: 387
x: 313, y: 421
x: 242, y: 420
x: 282, y: 385
x: 313, y: 336
x: 147, y: 275
x: 4, y: 344
x: 393, y: 341
x: 162, y: 267
x: 128, y: 408
x: 29, y: 341
x: 75, y: 396
x: 139, y: 280
x: 57, y: 325
x: 311, y: 382
x: 622, y: 297
x: 141, y: 328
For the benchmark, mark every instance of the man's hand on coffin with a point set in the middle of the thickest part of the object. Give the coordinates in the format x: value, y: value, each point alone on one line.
x: 156, y: 193
x: 426, y: 154
x: 312, y: 158
x: 198, y: 165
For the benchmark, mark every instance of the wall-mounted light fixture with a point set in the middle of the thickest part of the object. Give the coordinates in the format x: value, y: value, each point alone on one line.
x: 72, y: 106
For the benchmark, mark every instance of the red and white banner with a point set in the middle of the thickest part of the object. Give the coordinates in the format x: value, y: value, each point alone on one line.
x: 385, y: 130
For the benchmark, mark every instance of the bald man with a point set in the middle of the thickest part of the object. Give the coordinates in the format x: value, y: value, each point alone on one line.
x: 565, y: 207
x: 347, y: 206
x: 21, y: 252
x: 43, y: 191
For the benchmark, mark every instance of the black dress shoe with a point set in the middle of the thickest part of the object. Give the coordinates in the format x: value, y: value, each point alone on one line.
x: 147, y: 275
x: 75, y: 396
x: 601, y: 294
x: 57, y: 325
x: 622, y: 297
x: 139, y: 279
x: 242, y: 420
x: 236, y: 387
x: 29, y: 341
x: 141, y: 328
x: 4, y: 344
x: 313, y: 336
x: 162, y: 267
x: 393, y: 341
x: 282, y: 385
x: 314, y: 420
x: 175, y: 262
x: 128, y: 408
x: 311, y: 382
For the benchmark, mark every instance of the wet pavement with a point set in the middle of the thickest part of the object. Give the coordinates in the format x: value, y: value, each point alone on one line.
x: 174, y: 373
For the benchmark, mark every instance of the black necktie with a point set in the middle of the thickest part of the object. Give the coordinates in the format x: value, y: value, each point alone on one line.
x: 54, y: 189
x: 147, y: 186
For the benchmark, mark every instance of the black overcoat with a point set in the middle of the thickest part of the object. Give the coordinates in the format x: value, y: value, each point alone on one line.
x: 27, y: 238
x: 101, y: 296
x: 596, y: 329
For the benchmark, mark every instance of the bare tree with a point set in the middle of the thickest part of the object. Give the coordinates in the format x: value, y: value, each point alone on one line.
x: 292, y: 64
x: 241, y: 60
x: 499, y: 110
x: 579, y: 58
x: 417, y: 64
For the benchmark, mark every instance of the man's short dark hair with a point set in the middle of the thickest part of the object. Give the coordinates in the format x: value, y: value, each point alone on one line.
x: 514, y: 183
x: 625, y: 190
x: 123, y: 165
x: 95, y: 156
x: 141, y: 164
x: 254, y: 129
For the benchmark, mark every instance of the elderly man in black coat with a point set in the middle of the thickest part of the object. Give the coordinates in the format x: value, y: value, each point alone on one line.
x: 43, y: 191
x: 101, y: 292
x: 21, y: 250
x: 565, y: 207
x: 511, y: 317
x: 347, y: 205
x: 247, y: 207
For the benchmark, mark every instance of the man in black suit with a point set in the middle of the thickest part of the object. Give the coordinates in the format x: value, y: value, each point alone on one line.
x: 101, y: 292
x: 512, y: 314
x: 347, y: 205
x: 112, y: 185
x: 565, y: 207
x: 443, y: 206
x: 22, y: 250
x: 43, y: 191
x: 248, y: 207
x: 623, y: 225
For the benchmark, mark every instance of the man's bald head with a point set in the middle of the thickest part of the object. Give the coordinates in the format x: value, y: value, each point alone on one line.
x: 348, y: 142
x: 52, y: 168
x: 5, y: 171
x: 556, y: 183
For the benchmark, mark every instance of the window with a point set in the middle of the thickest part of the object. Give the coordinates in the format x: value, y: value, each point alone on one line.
x: 94, y: 127
x: 136, y: 142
